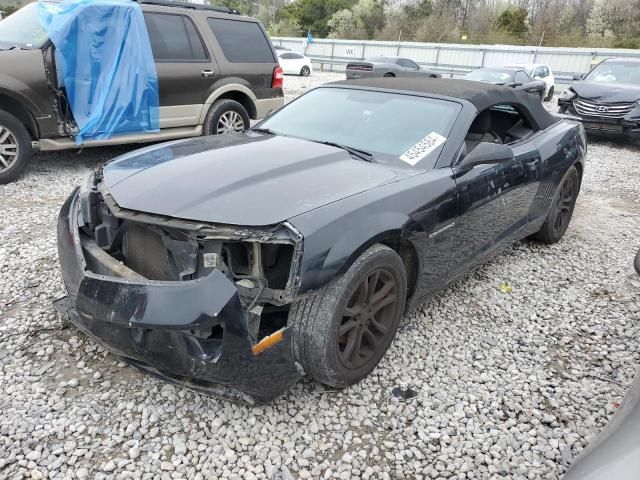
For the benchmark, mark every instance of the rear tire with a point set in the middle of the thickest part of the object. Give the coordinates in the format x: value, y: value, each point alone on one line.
x: 550, y: 95
x: 561, y: 210
x: 389, y: 74
x: 305, y: 71
x: 226, y: 117
x: 343, y: 330
x: 15, y: 147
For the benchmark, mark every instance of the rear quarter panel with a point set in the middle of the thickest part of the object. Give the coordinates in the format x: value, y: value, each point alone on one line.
x: 560, y: 147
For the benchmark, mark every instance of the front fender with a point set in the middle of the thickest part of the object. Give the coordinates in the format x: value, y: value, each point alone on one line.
x: 347, y: 241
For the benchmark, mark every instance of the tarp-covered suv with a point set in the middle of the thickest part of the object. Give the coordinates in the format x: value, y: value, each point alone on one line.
x: 216, y: 70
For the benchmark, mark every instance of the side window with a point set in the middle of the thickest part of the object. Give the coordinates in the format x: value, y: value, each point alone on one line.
x: 241, y: 42
x: 502, y: 124
x: 539, y: 72
x: 296, y: 56
x: 287, y: 56
x: 521, y: 77
x: 406, y: 63
x: 545, y: 71
x: 174, y: 38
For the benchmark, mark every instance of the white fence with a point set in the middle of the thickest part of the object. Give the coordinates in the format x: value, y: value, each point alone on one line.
x: 453, y: 59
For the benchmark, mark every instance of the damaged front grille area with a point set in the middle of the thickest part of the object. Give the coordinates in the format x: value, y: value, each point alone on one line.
x: 263, y: 263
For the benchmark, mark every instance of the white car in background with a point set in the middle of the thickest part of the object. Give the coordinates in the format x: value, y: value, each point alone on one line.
x: 293, y: 63
x: 540, y: 71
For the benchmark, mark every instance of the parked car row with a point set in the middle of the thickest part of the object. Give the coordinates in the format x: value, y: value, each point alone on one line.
x: 534, y: 78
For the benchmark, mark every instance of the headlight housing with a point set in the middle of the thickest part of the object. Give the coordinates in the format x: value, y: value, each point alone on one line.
x: 567, y: 94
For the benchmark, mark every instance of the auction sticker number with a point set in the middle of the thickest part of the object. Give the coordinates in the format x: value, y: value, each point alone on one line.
x: 423, y: 148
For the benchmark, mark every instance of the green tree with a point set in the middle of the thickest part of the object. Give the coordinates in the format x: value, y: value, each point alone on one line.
x: 513, y: 20
x: 314, y: 15
x: 369, y: 16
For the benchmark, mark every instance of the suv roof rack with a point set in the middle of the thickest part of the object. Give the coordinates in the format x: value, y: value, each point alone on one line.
x: 193, y: 6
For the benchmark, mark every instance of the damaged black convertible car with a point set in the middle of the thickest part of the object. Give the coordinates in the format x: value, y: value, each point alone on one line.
x: 236, y: 264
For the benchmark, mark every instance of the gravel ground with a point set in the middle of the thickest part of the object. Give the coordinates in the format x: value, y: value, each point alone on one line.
x: 510, y: 385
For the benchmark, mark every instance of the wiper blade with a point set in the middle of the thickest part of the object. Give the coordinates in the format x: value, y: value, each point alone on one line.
x: 356, y: 152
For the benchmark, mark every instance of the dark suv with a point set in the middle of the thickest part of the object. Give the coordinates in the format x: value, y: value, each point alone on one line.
x: 216, y: 71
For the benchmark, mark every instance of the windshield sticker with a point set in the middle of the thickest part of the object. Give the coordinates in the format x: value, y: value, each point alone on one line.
x: 423, y: 148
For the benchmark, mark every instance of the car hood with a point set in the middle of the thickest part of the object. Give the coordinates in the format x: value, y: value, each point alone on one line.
x: 250, y: 179
x: 607, y: 92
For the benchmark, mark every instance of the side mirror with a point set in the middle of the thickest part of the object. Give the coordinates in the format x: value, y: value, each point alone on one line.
x: 580, y: 76
x: 485, y: 153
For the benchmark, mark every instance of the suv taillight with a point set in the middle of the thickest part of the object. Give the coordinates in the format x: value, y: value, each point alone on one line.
x: 277, y: 79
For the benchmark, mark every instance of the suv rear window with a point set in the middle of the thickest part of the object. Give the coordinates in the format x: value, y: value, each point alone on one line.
x: 174, y: 38
x: 241, y: 42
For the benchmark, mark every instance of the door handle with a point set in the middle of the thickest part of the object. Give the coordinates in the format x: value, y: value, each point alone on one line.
x: 207, y: 73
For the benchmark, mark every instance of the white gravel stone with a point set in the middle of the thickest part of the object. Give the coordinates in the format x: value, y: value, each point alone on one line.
x: 510, y: 384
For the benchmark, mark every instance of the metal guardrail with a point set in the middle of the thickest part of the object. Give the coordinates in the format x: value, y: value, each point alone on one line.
x: 454, y: 60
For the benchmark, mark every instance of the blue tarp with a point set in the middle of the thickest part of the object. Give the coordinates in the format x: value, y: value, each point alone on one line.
x: 107, y: 65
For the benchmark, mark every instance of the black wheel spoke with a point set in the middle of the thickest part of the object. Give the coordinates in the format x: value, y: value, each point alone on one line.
x: 383, y: 292
x: 388, y: 300
x: 372, y: 284
x: 355, y: 354
x: 352, y: 311
x: 370, y: 337
x: 373, y: 322
x: 347, y: 327
x: 366, y: 320
x: 349, y: 347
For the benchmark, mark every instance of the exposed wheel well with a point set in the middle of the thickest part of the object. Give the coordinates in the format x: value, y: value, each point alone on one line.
x: 244, y: 100
x: 409, y: 256
x: 18, y: 110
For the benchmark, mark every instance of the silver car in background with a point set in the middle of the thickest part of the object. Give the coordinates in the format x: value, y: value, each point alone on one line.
x: 388, y: 67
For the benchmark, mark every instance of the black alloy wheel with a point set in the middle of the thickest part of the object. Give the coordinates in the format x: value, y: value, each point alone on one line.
x: 564, y: 206
x: 561, y: 210
x: 343, y: 330
x: 367, y: 319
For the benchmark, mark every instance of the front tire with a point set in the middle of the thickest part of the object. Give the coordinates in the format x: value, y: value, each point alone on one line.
x: 15, y: 147
x: 561, y: 210
x: 343, y: 330
x: 226, y: 117
x: 305, y: 71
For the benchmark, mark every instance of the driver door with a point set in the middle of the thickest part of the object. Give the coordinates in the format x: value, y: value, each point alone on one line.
x: 494, y: 200
x: 409, y: 68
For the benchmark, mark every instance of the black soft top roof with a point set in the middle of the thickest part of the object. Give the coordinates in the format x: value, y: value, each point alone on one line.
x: 481, y: 95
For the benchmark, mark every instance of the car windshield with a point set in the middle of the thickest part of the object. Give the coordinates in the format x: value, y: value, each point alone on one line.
x: 22, y: 29
x: 491, y: 76
x: 615, y: 72
x: 384, y: 124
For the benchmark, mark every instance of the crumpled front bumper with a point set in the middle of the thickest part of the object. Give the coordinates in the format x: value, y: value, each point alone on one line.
x: 157, y: 325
